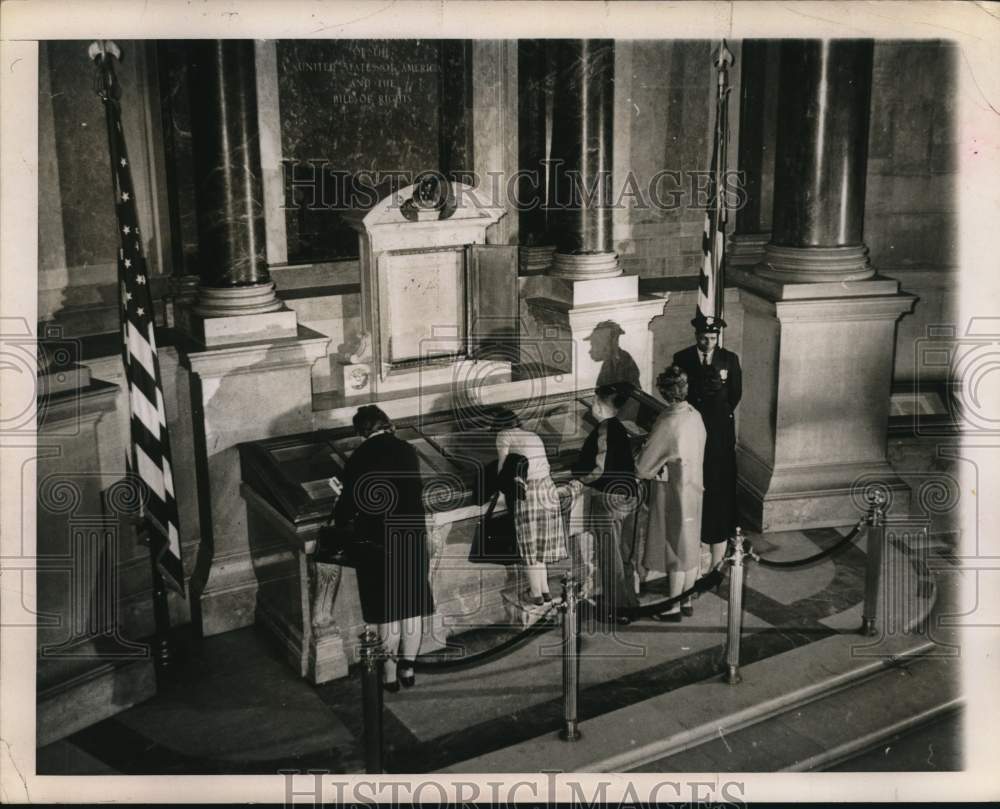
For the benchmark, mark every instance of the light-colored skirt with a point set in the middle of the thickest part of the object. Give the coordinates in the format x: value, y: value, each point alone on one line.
x: 541, y: 536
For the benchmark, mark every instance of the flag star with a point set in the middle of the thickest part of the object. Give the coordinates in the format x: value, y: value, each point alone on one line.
x: 141, y: 279
x: 128, y: 263
x: 123, y: 161
x: 124, y: 196
x: 126, y: 229
x: 128, y: 296
x: 140, y: 311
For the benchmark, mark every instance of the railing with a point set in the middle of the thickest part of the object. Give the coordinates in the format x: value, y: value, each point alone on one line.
x: 373, y: 655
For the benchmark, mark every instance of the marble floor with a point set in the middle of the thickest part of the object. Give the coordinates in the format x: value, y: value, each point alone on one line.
x: 236, y: 707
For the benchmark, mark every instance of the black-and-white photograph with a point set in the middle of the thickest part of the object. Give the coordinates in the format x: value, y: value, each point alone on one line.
x: 608, y: 401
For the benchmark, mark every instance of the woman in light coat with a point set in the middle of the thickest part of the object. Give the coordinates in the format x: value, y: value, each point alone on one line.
x: 672, y: 460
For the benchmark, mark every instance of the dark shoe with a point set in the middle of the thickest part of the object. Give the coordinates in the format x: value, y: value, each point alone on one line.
x: 392, y: 687
x: 622, y: 620
x: 409, y: 680
x: 668, y: 617
x: 687, y: 610
x: 535, y: 601
x: 546, y: 597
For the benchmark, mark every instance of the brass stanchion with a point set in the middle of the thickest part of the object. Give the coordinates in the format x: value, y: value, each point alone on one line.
x: 735, y: 626
x: 372, y: 658
x: 873, y: 566
x: 571, y: 659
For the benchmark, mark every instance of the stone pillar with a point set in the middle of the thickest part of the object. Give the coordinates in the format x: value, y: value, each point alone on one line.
x: 755, y: 158
x: 819, y: 178
x: 236, y: 298
x: 582, y: 194
x: 819, y: 329
x: 535, y: 101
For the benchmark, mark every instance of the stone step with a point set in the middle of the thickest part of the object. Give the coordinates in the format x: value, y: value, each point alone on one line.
x: 861, y: 670
x: 841, y: 723
x: 665, y: 725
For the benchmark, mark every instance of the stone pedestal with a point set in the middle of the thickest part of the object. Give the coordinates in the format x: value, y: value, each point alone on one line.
x: 566, y: 313
x: 241, y: 392
x: 87, y: 670
x: 814, y: 416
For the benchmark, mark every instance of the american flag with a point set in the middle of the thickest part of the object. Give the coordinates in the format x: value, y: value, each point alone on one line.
x: 149, y: 455
x: 713, y: 242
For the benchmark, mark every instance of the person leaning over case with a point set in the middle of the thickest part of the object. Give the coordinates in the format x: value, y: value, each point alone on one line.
x: 383, y: 494
x: 538, y: 522
x: 606, y: 466
x: 672, y: 459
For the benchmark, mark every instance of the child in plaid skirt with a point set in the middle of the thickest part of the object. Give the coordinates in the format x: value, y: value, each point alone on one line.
x: 541, y: 536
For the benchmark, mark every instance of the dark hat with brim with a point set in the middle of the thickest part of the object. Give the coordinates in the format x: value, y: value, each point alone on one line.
x: 707, y: 325
x: 606, y: 325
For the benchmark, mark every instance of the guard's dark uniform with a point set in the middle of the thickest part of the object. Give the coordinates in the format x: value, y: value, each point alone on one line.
x: 715, y: 390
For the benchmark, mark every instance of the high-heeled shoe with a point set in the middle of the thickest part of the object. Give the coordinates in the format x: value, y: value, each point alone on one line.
x: 668, y: 617
x: 687, y: 609
x: 409, y: 680
x: 391, y: 687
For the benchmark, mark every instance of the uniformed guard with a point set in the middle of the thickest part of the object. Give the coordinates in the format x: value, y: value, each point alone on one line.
x: 715, y: 385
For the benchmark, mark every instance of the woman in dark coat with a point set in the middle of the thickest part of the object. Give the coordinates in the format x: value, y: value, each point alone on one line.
x: 605, y: 465
x: 383, y: 495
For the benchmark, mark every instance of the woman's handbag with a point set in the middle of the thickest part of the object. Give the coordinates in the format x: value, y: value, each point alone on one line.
x: 495, y: 541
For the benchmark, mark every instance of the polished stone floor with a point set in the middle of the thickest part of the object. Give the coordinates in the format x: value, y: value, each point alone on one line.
x: 236, y: 707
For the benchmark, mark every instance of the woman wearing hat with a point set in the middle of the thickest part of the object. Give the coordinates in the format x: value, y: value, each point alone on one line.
x: 672, y: 459
x: 715, y: 386
x: 538, y: 522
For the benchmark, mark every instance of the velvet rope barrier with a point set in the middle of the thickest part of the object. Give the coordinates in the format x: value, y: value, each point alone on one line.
x: 808, y: 560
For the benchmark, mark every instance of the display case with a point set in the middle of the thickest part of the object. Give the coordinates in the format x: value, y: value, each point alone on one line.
x: 313, y: 609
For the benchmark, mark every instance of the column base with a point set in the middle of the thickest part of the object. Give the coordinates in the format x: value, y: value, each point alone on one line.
x: 746, y: 249
x: 236, y: 315
x: 184, y: 289
x: 535, y: 259
x: 586, y: 266
x: 808, y: 264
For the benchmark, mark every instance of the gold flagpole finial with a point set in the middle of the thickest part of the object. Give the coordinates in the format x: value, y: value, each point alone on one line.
x: 723, y: 57
x: 100, y: 48
x: 105, y: 81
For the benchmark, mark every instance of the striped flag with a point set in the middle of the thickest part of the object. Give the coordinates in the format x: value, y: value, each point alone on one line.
x: 711, y: 284
x: 149, y: 455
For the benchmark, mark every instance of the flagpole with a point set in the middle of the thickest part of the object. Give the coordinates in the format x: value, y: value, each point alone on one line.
x: 723, y: 60
x: 101, y: 52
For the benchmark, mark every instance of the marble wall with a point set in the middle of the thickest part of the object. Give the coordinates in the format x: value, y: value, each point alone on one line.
x: 911, y: 210
x: 77, y: 231
x: 664, y: 113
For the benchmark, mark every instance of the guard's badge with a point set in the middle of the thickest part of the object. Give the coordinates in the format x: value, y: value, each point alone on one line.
x: 724, y: 374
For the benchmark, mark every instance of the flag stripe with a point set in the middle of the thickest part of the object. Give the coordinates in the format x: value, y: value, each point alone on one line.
x: 150, y: 445
x: 140, y: 350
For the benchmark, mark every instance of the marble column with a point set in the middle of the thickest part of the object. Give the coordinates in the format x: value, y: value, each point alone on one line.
x: 535, y: 102
x: 581, y: 195
x: 819, y: 326
x: 758, y: 94
x: 819, y: 178
x: 236, y: 298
